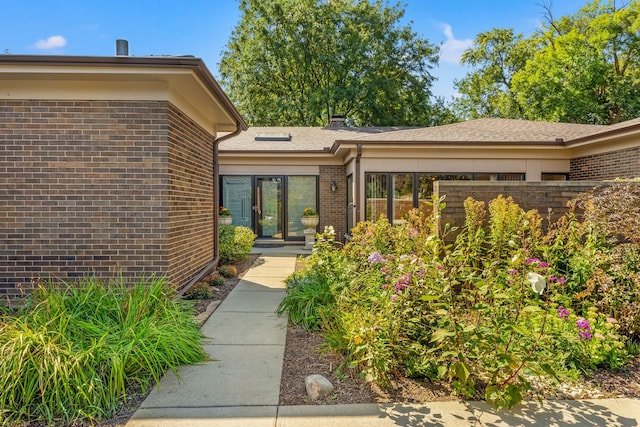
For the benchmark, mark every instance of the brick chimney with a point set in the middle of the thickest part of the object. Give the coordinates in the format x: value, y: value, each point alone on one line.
x: 337, y: 121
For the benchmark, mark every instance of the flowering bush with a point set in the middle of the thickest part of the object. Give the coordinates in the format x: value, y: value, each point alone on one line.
x: 309, y: 212
x: 489, y: 313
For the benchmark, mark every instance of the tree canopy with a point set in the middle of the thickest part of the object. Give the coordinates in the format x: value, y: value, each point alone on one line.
x: 298, y: 62
x: 583, y: 68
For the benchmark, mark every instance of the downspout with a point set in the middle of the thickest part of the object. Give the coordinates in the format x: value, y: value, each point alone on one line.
x: 216, y: 207
x: 216, y: 190
x: 357, y: 183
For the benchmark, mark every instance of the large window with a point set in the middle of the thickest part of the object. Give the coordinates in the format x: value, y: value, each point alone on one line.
x: 236, y: 196
x: 376, y: 196
x: 301, y: 194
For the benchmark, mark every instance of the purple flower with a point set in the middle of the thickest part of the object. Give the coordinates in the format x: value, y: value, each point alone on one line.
x: 513, y: 272
x: 413, y: 232
x: 402, y: 283
x: 532, y: 260
x: 563, y: 313
x: 584, y: 329
x: 375, y: 257
x: 542, y: 264
x: 611, y: 320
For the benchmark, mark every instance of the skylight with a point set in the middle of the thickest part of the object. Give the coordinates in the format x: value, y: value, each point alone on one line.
x: 273, y: 136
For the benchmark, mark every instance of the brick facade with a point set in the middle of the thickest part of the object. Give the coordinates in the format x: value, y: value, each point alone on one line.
x: 543, y: 196
x: 333, y: 205
x: 97, y: 188
x: 191, y: 197
x: 610, y: 165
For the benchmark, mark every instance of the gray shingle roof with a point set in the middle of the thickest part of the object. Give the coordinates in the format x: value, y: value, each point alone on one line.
x: 491, y: 130
x: 302, y: 138
x: 310, y: 139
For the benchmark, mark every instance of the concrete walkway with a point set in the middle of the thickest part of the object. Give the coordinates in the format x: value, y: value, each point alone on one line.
x: 240, y: 386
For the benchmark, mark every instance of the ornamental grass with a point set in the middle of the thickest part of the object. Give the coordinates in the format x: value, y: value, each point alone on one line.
x: 78, y: 352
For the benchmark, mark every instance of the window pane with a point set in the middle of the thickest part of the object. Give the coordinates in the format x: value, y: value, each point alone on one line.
x: 301, y: 194
x: 402, y: 196
x: 511, y: 177
x: 236, y: 196
x: 425, y: 188
x: 486, y: 177
x: 376, y: 196
x: 555, y: 177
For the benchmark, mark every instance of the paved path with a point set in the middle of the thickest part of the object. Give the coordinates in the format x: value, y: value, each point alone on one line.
x: 240, y: 386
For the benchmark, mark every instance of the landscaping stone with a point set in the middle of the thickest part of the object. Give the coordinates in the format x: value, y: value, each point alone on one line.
x: 318, y: 387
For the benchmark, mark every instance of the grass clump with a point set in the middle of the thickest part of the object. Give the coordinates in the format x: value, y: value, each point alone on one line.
x: 74, y: 352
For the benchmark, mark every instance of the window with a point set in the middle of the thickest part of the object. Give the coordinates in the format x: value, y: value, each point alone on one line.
x: 236, y: 196
x: 375, y: 196
x: 555, y: 176
x: 425, y: 187
x: 402, y: 201
x: 301, y: 194
x: 499, y: 177
x: 395, y: 194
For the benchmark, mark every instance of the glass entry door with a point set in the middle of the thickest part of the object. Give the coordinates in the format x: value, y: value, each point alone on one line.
x: 268, y: 208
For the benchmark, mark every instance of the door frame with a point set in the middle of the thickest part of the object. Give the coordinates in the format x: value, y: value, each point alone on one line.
x: 257, y: 190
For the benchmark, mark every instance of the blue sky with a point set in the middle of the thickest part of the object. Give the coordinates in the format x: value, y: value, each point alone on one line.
x: 202, y: 27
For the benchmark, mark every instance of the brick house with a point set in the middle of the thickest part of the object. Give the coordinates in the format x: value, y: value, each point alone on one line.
x: 107, y: 167
x: 352, y: 174
x: 116, y: 165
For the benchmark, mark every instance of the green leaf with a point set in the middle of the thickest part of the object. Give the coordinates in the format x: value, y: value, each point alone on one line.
x: 440, y: 335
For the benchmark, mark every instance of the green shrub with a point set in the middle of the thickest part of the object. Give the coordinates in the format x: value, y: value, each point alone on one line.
x: 216, y: 280
x: 75, y: 353
x: 200, y: 290
x: 227, y: 271
x: 235, y: 243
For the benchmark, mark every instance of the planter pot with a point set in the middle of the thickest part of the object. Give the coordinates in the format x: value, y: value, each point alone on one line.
x: 225, y: 220
x: 310, y: 221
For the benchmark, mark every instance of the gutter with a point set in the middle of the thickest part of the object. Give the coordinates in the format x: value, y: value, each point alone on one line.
x: 357, y: 183
x: 240, y: 126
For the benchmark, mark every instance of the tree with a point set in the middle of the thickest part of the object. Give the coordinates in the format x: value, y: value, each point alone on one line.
x: 583, y: 68
x: 298, y: 62
x: 498, y: 55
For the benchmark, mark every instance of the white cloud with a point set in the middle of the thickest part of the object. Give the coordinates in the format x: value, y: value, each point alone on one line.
x: 452, y: 49
x: 52, y: 42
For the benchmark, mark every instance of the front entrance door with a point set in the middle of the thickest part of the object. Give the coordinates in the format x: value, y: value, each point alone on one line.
x: 268, y: 209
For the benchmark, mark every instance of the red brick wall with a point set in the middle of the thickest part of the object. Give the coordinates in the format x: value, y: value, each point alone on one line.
x: 100, y: 188
x: 333, y: 205
x: 614, y: 164
x: 191, y: 199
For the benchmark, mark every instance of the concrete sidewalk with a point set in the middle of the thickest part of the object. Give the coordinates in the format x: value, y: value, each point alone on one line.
x: 240, y: 386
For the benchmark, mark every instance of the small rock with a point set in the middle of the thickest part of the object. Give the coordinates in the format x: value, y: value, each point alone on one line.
x: 318, y: 387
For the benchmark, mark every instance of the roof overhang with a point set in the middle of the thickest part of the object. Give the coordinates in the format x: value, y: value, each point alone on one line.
x: 184, y: 81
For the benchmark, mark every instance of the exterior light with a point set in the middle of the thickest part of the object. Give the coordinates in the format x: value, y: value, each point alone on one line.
x: 334, y: 186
